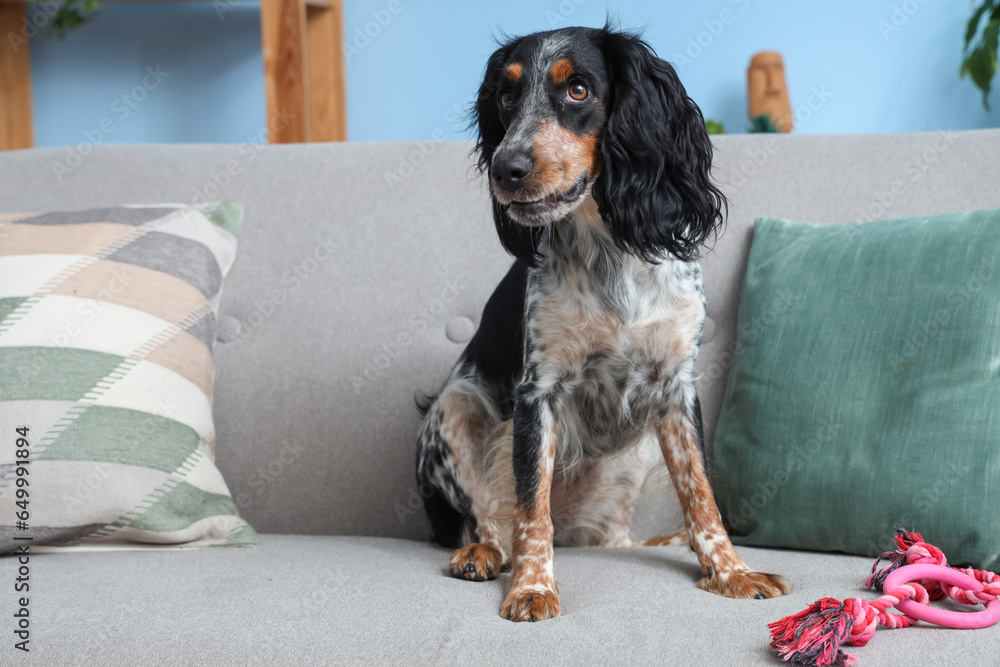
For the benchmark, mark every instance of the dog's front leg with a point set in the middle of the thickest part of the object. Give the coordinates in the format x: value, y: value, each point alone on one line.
x: 724, y: 572
x: 532, y: 594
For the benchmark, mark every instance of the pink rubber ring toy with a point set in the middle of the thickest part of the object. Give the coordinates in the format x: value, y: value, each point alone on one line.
x: 947, y: 619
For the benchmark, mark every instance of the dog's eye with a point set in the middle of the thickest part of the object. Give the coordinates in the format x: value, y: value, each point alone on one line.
x: 577, y: 92
x: 507, y: 100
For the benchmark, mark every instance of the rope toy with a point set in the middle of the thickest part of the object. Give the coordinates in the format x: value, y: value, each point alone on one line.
x: 917, y: 573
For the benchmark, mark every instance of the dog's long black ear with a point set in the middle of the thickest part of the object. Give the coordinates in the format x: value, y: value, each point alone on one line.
x: 655, y: 189
x: 485, y: 112
x: 518, y: 240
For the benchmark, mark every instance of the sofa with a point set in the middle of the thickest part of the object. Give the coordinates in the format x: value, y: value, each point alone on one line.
x: 361, y: 272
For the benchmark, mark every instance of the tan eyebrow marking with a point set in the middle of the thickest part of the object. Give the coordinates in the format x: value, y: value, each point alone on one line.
x: 561, y: 71
x: 513, y: 71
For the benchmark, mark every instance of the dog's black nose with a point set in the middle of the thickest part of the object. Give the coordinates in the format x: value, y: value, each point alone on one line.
x: 509, y: 169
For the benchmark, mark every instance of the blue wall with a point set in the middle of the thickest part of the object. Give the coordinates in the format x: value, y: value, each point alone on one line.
x: 852, y: 66
x: 210, y: 85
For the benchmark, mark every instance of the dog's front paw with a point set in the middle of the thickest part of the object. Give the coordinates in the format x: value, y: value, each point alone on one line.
x: 745, y: 583
x: 530, y: 603
x: 476, y: 562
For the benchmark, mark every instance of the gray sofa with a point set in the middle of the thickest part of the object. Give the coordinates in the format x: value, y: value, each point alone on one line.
x: 361, y: 272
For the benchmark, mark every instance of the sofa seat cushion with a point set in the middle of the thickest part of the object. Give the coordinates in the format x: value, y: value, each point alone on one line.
x: 300, y: 600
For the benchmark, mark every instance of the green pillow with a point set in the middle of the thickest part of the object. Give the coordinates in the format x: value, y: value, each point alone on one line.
x: 865, y: 391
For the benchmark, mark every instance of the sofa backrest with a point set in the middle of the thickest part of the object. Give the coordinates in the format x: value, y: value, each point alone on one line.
x: 363, y: 268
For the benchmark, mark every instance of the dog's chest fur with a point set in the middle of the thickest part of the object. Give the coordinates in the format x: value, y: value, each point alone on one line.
x: 611, y: 339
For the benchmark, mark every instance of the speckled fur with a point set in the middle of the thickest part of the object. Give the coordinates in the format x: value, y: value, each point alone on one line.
x: 598, y: 340
x: 612, y: 340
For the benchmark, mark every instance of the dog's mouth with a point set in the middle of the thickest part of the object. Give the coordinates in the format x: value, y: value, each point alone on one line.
x: 533, y: 206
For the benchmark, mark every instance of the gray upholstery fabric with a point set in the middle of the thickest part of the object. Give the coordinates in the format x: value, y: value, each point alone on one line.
x: 346, y: 267
x: 303, y: 600
x: 354, y: 289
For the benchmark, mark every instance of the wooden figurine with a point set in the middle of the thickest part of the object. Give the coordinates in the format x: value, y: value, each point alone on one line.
x: 767, y: 92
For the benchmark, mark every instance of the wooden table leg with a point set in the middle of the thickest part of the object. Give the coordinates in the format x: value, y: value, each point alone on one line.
x: 16, y: 126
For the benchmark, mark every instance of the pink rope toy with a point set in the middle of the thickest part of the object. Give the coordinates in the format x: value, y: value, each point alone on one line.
x: 916, y: 574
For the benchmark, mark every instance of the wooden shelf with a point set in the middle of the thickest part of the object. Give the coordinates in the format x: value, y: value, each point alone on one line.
x: 304, y: 78
x: 311, y: 3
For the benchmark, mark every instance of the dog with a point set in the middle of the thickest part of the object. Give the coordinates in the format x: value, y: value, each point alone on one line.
x: 581, y: 374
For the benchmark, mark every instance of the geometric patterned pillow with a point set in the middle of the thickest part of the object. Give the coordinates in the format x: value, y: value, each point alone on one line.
x: 107, y: 329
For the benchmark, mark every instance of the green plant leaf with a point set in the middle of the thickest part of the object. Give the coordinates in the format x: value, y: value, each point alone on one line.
x: 981, y: 63
x: 991, y: 41
x: 714, y: 126
x: 973, y: 28
x: 71, y: 14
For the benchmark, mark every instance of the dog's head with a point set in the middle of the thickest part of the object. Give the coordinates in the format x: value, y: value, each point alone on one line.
x: 580, y: 112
